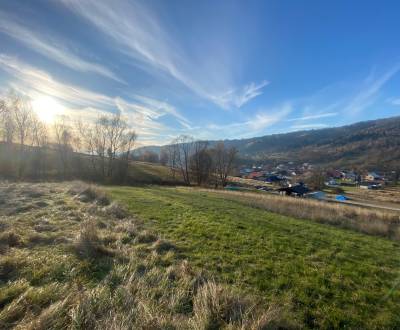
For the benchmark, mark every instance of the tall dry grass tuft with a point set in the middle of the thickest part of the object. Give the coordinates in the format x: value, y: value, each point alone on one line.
x: 88, y: 243
x: 372, y: 222
x: 88, y: 193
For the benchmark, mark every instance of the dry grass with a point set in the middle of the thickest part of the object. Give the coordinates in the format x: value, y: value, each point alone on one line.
x: 112, y: 275
x: 380, y: 223
x: 115, y: 210
x: 88, y: 193
x: 88, y: 244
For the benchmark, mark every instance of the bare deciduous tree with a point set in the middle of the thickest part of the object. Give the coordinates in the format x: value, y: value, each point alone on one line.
x: 183, y: 146
x: 224, y: 161
x: 108, y: 141
x: 64, y: 138
x: 7, y: 124
x: 171, y: 151
x: 201, y: 162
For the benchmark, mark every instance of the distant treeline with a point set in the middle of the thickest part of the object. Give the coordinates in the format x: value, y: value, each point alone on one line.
x: 100, y: 151
x: 30, y: 149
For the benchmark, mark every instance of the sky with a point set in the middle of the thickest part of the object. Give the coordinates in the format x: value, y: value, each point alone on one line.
x: 210, y: 69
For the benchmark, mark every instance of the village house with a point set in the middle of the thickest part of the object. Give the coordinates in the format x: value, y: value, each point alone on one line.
x: 373, y: 176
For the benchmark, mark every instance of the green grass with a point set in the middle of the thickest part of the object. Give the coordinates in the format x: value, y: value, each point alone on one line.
x: 78, y: 263
x: 148, y: 173
x: 331, y: 277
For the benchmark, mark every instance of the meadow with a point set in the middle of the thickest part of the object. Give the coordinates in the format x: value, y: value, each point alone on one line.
x: 328, y: 276
x: 74, y: 256
x: 70, y: 258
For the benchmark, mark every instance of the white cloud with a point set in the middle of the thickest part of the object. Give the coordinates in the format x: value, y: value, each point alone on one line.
x: 394, y: 101
x: 143, y: 113
x: 33, y: 80
x: 308, y: 126
x: 369, y: 92
x: 316, y: 116
x: 238, y: 98
x: 51, y: 48
x: 139, y: 34
x: 256, y: 125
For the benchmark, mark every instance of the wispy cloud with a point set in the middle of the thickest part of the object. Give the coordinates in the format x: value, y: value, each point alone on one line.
x: 239, y: 97
x: 51, y: 47
x: 317, y: 116
x: 370, y: 91
x: 394, y: 101
x: 140, y: 34
x: 308, y: 126
x: 143, y: 113
x: 256, y: 125
x: 33, y: 80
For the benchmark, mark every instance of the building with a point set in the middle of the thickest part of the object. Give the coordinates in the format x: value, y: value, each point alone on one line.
x: 373, y: 176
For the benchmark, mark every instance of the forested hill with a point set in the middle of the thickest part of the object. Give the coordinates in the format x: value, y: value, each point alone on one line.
x: 370, y: 144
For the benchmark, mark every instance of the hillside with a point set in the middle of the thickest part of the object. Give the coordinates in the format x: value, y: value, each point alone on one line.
x: 44, y: 163
x: 370, y: 144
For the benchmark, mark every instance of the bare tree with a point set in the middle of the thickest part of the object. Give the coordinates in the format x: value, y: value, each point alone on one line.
x: 127, y: 144
x: 39, y: 142
x: 21, y: 119
x: 171, y: 151
x: 23, y: 114
x: 88, y: 144
x: 183, y: 146
x: 7, y: 121
x: 201, y: 162
x: 109, y: 142
x: 64, y: 140
x: 224, y: 161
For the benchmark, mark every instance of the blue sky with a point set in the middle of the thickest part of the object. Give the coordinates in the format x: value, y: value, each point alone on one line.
x: 211, y: 69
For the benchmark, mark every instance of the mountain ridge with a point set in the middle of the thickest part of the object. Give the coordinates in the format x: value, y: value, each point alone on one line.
x: 367, y: 144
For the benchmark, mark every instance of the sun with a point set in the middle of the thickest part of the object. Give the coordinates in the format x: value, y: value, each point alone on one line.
x: 47, y: 108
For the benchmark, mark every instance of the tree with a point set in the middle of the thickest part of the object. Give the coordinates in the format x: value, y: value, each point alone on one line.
x: 127, y: 145
x: 224, y: 161
x: 183, y: 150
x: 317, y: 179
x: 39, y: 142
x: 23, y: 114
x: 21, y: 121
x: 201, y: 162
x: 7, y: 121
x: 64, y: 139
x: 171, y: 150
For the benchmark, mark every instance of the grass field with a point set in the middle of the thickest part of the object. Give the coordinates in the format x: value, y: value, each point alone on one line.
x: 72, y: 259
x: 330, y: 277
x: 149, y: 173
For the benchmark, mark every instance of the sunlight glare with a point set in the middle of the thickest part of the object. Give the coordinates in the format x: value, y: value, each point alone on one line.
x: 47, y: 108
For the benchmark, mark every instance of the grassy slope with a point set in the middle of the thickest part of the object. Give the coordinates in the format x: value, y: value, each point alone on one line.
x: 150, y: 173
x: 71, y: 261
x: 333, y: 277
